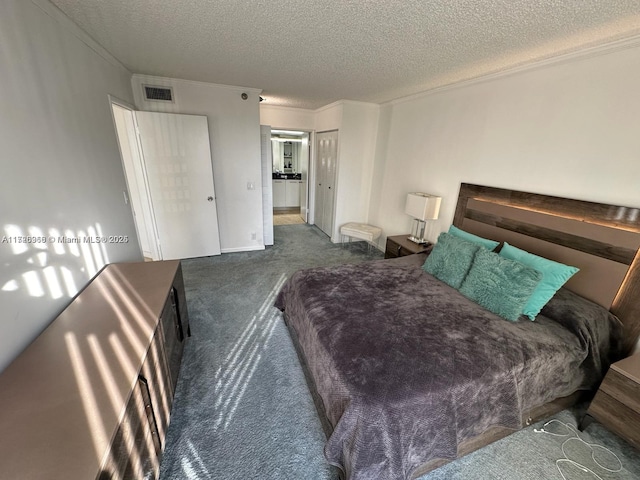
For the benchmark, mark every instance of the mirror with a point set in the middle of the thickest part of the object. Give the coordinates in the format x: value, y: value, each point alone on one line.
x: 286, y: 153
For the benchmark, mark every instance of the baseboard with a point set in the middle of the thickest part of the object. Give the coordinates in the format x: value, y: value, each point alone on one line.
x: 242, y: 249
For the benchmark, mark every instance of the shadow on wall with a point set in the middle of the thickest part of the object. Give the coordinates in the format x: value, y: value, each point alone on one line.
x: 51, y: 263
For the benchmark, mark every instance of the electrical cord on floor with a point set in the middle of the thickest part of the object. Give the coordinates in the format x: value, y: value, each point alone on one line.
x: 572, y: 430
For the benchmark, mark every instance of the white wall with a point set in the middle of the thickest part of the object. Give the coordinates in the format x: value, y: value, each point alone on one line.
x: 329, y: 117
x: 234, y: 131
x: 357, y: 123
x: 61, y: 169
x: 569, y: 128
x: 287, y: 117
x: 356, y: 149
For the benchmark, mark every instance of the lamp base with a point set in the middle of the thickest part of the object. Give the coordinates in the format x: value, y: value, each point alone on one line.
x: 417, y: 232
x: 419, y: 241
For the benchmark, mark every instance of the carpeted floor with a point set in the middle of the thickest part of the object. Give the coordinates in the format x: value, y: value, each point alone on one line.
x: 243, y: 410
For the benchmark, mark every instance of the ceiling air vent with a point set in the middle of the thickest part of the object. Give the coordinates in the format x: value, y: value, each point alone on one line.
x: 158, y: 94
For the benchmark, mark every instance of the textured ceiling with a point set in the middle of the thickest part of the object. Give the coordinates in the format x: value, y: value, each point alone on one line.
x: 309, y: 53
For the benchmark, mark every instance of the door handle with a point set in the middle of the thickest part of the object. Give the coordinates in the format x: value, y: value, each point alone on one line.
x: 210, y: 198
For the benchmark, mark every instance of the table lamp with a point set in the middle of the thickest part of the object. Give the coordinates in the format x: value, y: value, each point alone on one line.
x: 422, y: 207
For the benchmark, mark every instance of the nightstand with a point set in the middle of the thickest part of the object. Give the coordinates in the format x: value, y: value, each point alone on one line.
x: 400, y: 245
x: 617, y: 403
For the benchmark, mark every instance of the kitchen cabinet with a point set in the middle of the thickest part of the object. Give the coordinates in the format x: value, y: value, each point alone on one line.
x: 286, y: 193
x: 293, y: 193
x: 279, y: 193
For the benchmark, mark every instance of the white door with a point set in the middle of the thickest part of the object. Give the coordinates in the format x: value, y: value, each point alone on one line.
x: 321, y: 161
x: 327, y: 158
x: 318, y: 195
x: 267, y: 185
x: 330, y: 182
x: 136, y: 180
x: 303, y: 168
x: 177, y: 158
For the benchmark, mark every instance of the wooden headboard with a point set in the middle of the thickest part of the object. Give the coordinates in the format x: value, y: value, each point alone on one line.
x: 602, y: 240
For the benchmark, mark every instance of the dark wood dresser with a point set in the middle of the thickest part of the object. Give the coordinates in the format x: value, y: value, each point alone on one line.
x: 90, y: 398
x: 400, y: 245
x: 617, y: 403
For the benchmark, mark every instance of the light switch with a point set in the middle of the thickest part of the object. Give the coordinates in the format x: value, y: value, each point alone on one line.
x: 250, y: 186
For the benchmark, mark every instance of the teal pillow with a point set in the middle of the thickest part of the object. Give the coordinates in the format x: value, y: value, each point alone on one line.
x: 450, y: 259
x: 500, y: 285
x: 554, y: 275
x: 470, y: 237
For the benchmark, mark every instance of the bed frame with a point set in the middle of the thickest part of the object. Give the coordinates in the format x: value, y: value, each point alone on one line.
x: 602, y: 240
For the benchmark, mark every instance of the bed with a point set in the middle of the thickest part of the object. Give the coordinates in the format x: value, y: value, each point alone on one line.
x: 409, y: 374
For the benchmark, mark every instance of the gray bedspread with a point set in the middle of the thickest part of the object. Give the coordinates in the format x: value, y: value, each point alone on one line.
x: 407, y: 367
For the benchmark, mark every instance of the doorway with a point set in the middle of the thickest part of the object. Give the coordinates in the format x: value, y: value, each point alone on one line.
x: 290, y: 153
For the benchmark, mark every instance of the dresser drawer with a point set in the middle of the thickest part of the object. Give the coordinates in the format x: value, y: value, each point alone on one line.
x: 622, y: 388
x: 616, y: 417
x: 393, y: 251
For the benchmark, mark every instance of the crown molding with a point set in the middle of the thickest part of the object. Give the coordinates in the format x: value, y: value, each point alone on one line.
x: 287, y: 108
x: 66, y: 23
x: 337, y: 103
x: 343, y: 102
x: 578, y: 55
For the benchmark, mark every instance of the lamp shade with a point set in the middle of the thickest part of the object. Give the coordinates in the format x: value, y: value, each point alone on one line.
x: 422, y: 206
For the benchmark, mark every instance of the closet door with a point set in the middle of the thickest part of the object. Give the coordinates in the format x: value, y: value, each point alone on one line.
x: 327, y: 154
x: 319, y: 193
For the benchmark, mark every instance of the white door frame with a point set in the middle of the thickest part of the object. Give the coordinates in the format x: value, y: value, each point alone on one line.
x: 311, y: 179
x: 267, y: 184
x: 304, y: 199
